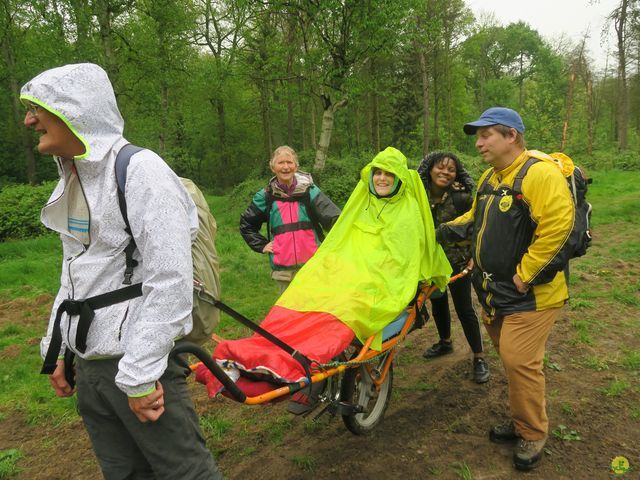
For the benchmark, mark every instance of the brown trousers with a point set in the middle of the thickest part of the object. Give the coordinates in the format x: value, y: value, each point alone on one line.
x: 520, y: 340
x: 283, y: 278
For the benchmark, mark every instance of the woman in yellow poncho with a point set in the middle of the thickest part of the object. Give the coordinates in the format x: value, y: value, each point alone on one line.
x: 368, y: 267
x: 363, y: 275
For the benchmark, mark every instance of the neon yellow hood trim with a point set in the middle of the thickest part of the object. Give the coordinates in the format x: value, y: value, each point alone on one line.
x: 367, y: 269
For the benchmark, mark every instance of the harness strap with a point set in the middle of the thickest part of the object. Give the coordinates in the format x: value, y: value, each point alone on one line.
x: 305, y: 199
x: 86, y: 310
x: 291, y: 227
x: 121, y: 165
x: 298, y: 356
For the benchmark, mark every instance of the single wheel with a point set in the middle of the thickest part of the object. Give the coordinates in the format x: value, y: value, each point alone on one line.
x: 358, y: 389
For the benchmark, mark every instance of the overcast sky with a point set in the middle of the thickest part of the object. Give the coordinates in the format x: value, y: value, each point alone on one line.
x: 553, y: 18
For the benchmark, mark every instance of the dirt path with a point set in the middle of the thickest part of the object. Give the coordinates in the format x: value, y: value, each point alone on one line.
x: 436, y: 425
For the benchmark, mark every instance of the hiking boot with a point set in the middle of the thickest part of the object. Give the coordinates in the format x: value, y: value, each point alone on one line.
x: 504, y: 433
x: 528, y: 453
x: 481, y: 371
x: 302, y: 403
x: 438, y: 349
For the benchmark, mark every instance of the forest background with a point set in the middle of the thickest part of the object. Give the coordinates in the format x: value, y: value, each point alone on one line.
x: 215, y: 86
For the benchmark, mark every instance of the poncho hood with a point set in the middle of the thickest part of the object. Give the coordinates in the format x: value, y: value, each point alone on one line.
x: 367, y: 269
x: 81, y: 95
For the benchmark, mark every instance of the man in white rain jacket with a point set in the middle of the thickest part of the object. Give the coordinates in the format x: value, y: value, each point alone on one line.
x: 131, y: 394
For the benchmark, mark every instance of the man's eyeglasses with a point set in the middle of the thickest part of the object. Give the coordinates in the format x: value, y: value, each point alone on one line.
x: 33, y: 109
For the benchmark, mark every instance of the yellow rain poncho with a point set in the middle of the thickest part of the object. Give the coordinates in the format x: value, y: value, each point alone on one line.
x: 367, y: 269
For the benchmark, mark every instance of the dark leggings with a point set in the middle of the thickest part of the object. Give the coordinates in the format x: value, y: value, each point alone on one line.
x: 461, y: 295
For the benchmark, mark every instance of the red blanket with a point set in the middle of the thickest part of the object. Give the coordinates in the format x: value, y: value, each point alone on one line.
x: 320, y: 336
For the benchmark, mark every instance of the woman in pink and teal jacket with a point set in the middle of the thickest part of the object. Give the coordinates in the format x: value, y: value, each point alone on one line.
x: 296, y: 213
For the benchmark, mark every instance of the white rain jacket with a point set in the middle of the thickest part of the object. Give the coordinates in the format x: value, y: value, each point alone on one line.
x: 163, y: 220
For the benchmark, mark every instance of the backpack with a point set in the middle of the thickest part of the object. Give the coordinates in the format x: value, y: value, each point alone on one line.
x: 305, y: 199
x: 206, y: 280
x: 578, y: 183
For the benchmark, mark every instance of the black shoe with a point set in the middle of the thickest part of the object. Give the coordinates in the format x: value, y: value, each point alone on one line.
x: 528, y: 454
x: 481, y: 371
x: 438, y: 349
x: 504, y: 433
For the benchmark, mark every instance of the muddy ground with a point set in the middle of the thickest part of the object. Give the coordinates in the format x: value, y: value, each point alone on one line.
x: 436, y: 424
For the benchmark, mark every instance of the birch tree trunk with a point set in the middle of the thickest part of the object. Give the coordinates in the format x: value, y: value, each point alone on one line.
x: 326, y: 130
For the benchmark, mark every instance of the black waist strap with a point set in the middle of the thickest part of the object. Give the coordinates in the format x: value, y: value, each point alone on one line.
x: 291, y: 227
x: 86, y: 310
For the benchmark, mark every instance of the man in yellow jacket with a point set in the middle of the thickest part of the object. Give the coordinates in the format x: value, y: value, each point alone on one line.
x: 519, y: 226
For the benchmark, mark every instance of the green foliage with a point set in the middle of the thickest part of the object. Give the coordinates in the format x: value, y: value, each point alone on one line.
x: 20, y: 207
x: 565, y: 434
x: 340, y: 176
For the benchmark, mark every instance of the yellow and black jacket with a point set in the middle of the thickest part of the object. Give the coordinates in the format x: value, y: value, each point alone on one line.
x: 522, y: 231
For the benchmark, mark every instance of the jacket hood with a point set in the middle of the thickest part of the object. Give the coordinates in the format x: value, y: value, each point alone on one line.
x: 81, y: 95
x: 392, y: 160
x: 303, y: 182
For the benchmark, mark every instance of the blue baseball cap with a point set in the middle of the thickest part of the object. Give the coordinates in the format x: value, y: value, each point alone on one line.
x: 496, y: 116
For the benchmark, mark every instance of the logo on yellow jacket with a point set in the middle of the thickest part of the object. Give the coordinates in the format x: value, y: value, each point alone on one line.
x: 505, y: 203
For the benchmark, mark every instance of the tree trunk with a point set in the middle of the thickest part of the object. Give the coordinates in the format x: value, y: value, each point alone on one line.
x: 375, y: 113
x: 16, y: 109
x: 266, y: 120
x: 289, y: 101
x: 81, y: 18
x: 568, y: 106
x: 164, y: 111
x: 424, y: 73
x: 356, y: 115
x: 622, y: 117
x: 103, y: 14
x: 222, y: 124
x: 326, y: 131
x: 589, y: 116
x: 436, y: 98
x: 314, y: 145
x: 303, y: 115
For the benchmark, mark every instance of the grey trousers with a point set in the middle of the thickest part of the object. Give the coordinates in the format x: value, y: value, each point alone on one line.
x: 170, y: 448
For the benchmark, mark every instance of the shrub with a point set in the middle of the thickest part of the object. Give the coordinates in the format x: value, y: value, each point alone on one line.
x: 20, y: 207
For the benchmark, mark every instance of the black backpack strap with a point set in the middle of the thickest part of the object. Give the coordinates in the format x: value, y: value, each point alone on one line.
x: 306, y: 201
x: 268, y: 197
x: 484, y: 183
x: 517, y: 182
x: 122, y: 164
x: 86, y: 310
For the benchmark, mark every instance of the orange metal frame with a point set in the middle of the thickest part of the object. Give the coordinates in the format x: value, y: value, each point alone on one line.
x: 365, y: 353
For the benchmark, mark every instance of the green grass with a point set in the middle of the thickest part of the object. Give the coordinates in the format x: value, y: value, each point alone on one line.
x: 616, y: 388
x: 8, y: 462
x: 308, y: 463
x: 463, y: 471
x: 631, y: 360
x: 214, y: 426
x: 615, y: 196
x: 30, y: 267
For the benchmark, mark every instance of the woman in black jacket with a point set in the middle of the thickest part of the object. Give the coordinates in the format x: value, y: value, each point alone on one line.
x: 449, y: 188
